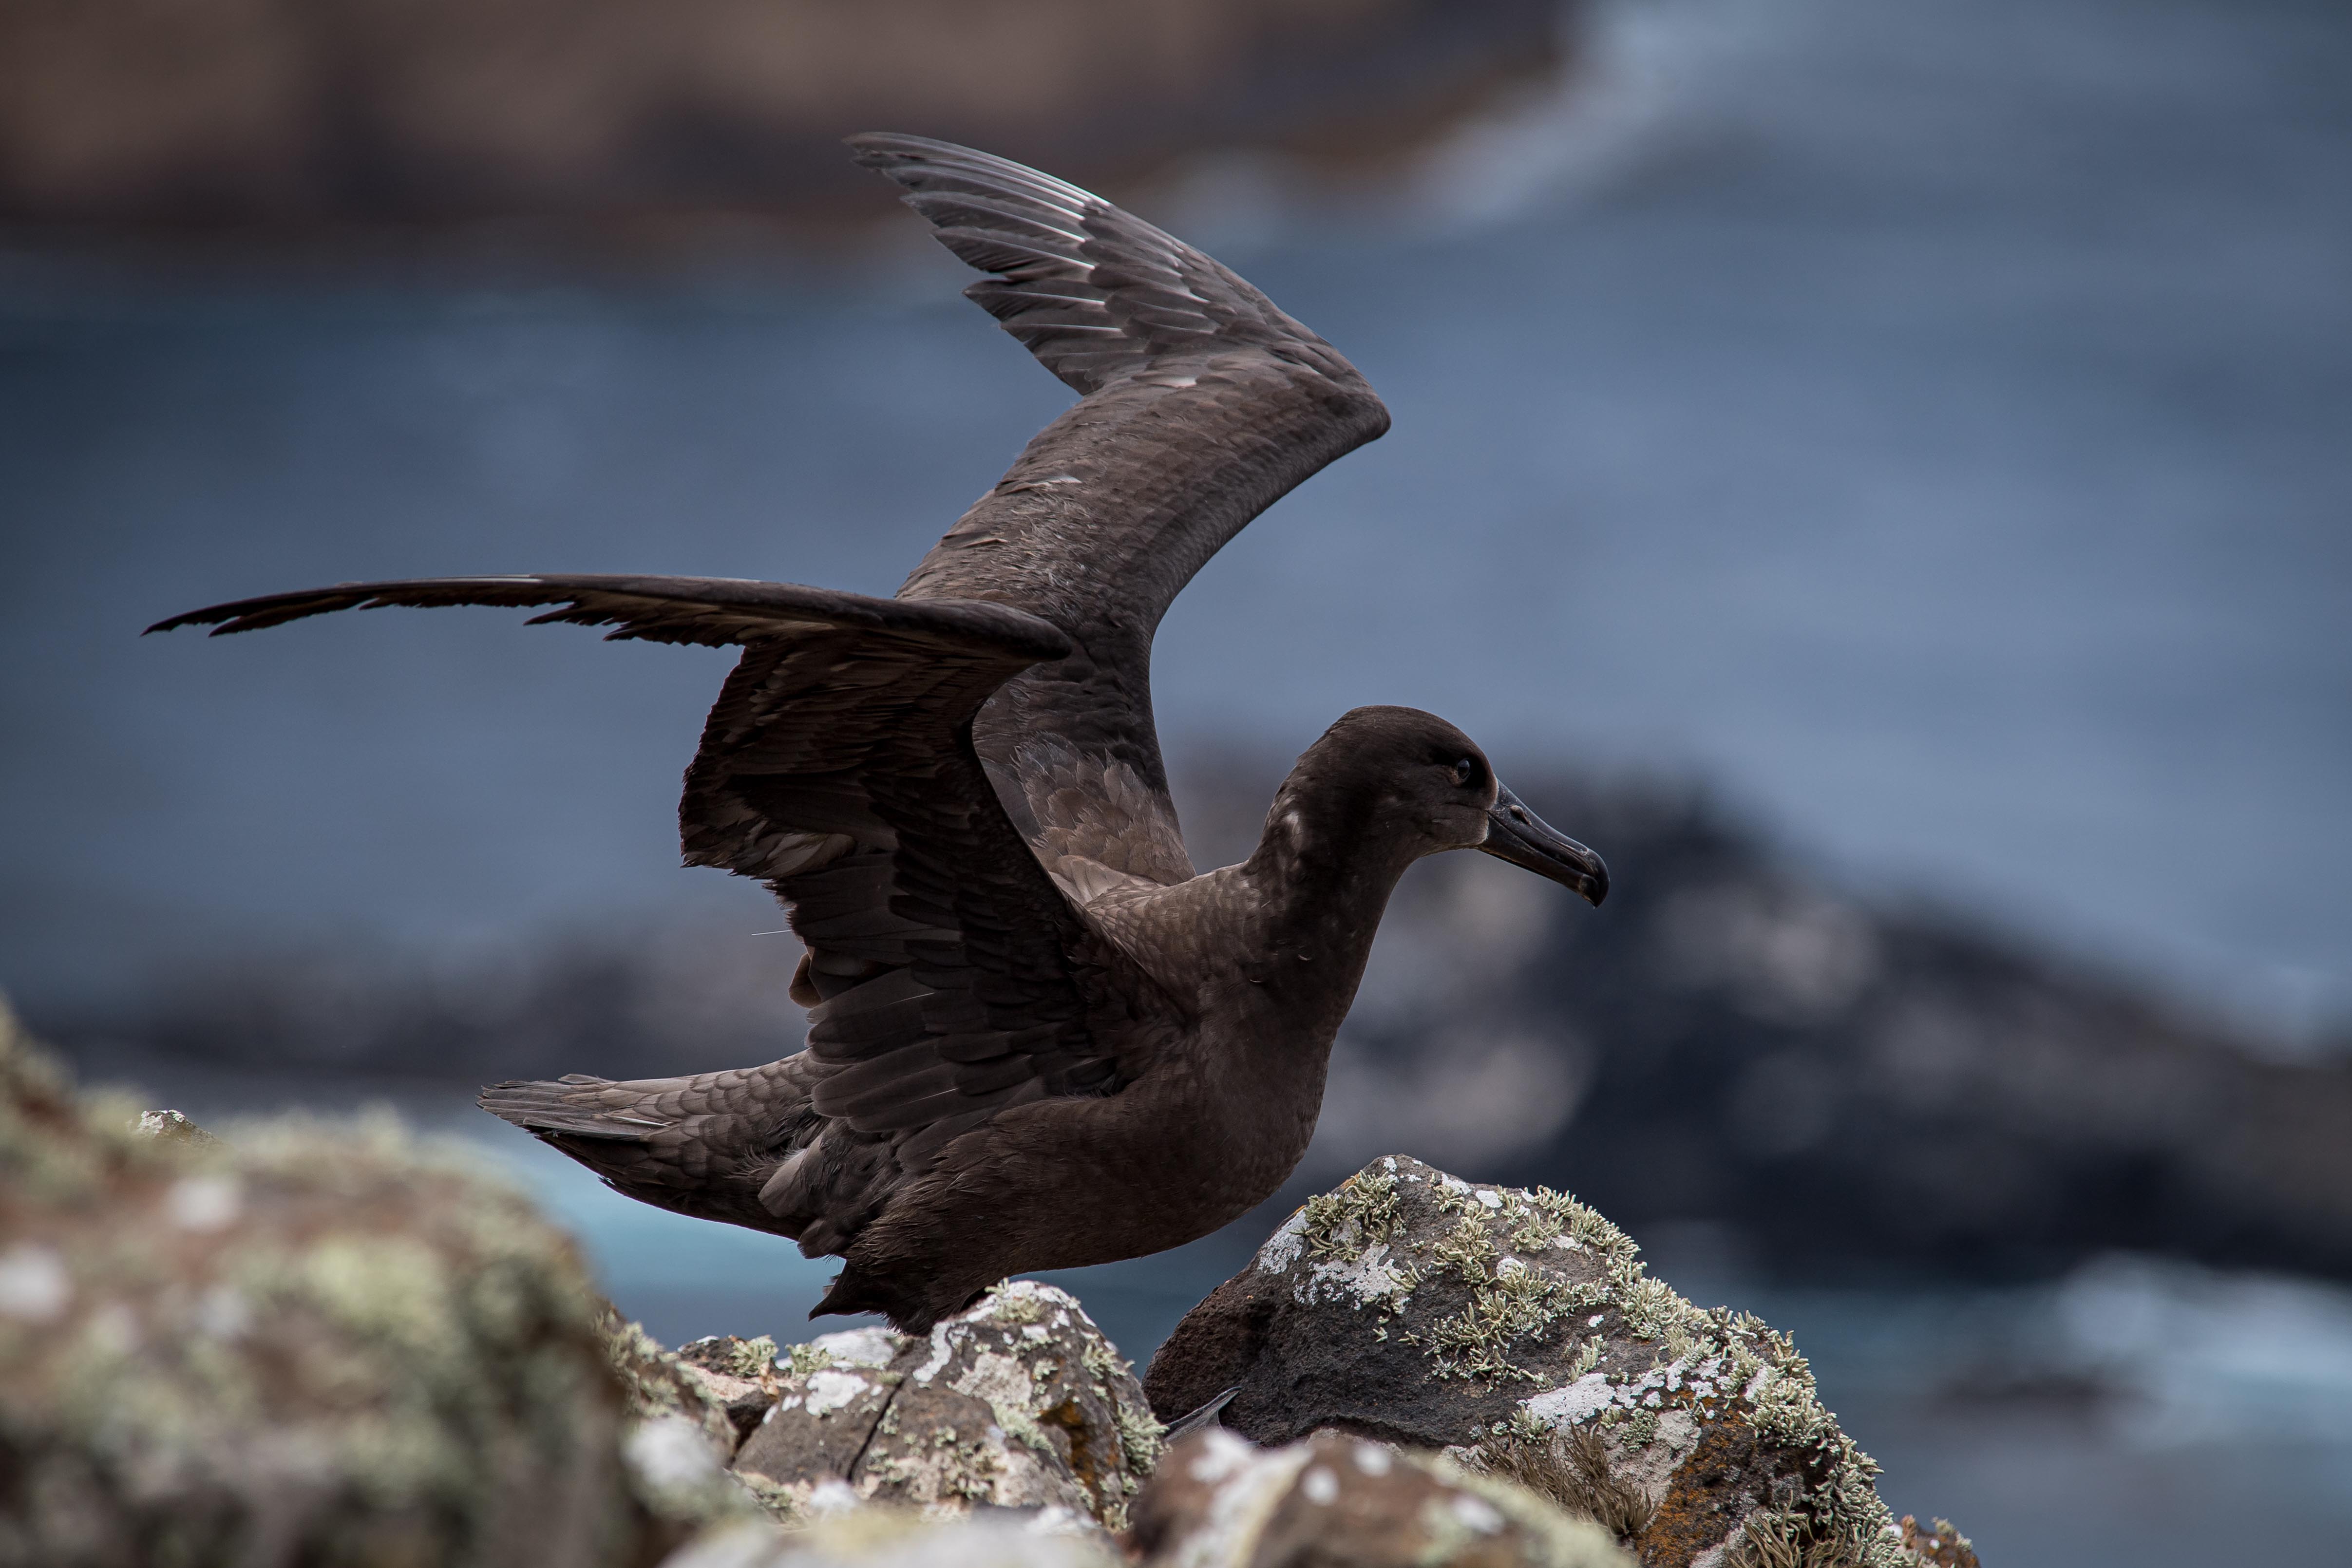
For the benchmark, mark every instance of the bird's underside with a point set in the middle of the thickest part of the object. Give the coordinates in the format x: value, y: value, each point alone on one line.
x: 937, y: 786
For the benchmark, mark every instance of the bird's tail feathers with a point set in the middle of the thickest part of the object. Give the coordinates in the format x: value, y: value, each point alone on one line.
x: 575, y: 1105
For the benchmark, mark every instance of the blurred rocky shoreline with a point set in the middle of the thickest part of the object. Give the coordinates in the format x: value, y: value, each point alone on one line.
x: 1845, y: 1088
x: 597, y: 115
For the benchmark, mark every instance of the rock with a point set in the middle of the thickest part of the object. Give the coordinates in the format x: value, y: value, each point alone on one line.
x: 1017, y: 1403
x: 318, y: 1344
x: 1217, y: 1502
x: 831, y: 1396
x: 172, y: 1126
x: 737, y: 1375
x: 1518, y: 1331
x: 662, y: 1387
x: 1941, y: 1547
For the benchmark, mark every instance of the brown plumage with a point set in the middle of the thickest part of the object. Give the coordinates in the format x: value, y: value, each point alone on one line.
x: 1036, y: 1038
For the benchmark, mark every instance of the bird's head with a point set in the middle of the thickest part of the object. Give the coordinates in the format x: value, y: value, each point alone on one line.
x: 1409, y: 778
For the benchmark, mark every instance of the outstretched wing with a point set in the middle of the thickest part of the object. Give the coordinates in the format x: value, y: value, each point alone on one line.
x: 1203, y: 404
x: 951, y: 979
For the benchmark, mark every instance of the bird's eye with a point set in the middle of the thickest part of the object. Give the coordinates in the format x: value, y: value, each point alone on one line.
x: 1465, y: 772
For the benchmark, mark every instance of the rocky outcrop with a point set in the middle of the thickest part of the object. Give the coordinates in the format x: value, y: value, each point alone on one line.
x: 1219, y: 1503
x: 1018, y: 1402
x: 324, y: 1344
x: 1518, y: 1332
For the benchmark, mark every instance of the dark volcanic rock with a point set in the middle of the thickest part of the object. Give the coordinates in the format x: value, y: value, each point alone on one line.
x: 1518, y: 1331
x: 1335, y: 1500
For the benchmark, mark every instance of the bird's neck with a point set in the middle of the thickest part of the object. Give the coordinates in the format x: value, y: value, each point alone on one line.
x: 1321, y: 877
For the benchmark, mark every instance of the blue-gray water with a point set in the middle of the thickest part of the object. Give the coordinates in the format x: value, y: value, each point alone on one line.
x: 1927, y: 420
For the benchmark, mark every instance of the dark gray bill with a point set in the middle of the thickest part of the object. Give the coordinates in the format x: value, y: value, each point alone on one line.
x: 1517, y: 835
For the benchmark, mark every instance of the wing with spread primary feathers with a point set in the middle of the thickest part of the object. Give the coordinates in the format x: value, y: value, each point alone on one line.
x: 948, y: 977
x: 1203, y: 404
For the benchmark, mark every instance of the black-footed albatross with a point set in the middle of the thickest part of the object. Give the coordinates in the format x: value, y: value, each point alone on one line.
x: 1036, y: 1038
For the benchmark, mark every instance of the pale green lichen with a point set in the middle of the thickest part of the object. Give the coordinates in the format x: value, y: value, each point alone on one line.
x: 804, y: 1359
x: 1791, y: 1538
x: 1511, y: 1303
x: 749, y: 1359
x: 1358, y: 1214
x: 1009, y: 1305
x: 1141, y: 1434
x: 963, y: 1466
x: 1653, y: 1308
x: 779, y: 1501
x: 1583, y: 1227
x: 1466, y: 1250
x: 1838, y: 1522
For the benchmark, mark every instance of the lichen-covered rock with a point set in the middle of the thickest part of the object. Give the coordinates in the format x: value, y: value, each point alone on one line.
x: 1939, y: 1546
x: 737, y: 1374
x: 1217, y: 1502
x: 1519, y: 1330
x: 661, y: 1385
x: 1017, y: 1403
x: 831, y: 1395
x: 301, y: 1343
x: 172, y: 1126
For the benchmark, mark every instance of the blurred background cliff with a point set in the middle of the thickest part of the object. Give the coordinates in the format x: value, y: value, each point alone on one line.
x: 1877, y: 471
x: 292, y: 116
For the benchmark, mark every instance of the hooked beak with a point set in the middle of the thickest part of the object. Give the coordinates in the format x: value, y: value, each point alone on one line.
x: 1517, y: 835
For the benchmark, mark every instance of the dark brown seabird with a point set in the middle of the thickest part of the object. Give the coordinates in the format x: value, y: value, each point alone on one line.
x: 1037, y: 1039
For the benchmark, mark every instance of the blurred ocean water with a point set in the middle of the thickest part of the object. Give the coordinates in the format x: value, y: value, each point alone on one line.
x: 1923, y: 422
